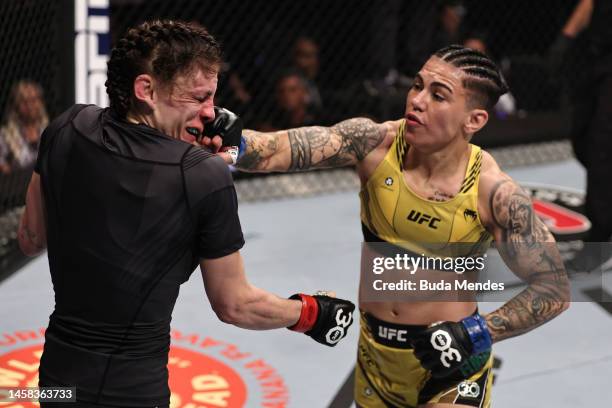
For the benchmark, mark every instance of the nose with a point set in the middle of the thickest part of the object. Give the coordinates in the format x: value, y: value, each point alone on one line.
x: 207, y: 113
x: 417, y: 100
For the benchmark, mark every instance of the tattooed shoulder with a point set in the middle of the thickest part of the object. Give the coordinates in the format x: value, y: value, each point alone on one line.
x: 512, y: 210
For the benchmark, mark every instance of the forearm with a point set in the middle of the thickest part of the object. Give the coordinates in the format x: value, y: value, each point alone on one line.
x: 264, y: 152
x: 261, y: 310
x: 579, y: 19
x: 530, y: 251
x: 30, y: 242
x: 311, y: 147
x: 540, y: 302
x: 32, y: 234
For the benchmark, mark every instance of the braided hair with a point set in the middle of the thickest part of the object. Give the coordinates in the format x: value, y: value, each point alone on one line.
x: 162, y: 49
x: 482, y: 76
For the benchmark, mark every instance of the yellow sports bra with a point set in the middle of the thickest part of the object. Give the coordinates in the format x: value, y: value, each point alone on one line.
x: 392, y: 212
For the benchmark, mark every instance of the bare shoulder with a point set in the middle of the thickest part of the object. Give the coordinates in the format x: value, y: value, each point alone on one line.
x: 387, y: 130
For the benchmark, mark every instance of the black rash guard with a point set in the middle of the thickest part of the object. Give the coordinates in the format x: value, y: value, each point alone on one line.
x: 130, y: 213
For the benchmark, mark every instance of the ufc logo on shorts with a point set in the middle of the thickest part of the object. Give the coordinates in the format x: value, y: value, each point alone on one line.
x: 441, y: 341
x: 389, y: 333
x: 343, y: 320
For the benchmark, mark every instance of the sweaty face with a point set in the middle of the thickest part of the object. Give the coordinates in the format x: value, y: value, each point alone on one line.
x: 182, y: 108
x: 436, y: 106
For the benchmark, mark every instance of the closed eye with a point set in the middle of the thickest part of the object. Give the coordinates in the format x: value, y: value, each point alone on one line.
x: 204, y: 98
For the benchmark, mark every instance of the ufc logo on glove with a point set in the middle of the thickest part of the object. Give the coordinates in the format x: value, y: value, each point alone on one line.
x: 441, y: 341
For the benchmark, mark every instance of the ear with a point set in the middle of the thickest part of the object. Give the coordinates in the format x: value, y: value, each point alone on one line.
x: 144, y: 90
x: 475, y: 121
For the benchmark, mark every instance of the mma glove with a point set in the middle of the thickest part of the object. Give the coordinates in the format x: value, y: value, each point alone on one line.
x: 228, y: 126
x: 450, y: 349
x: 325, y: 319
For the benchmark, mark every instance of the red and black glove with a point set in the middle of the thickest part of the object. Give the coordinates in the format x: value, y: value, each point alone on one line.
x: 325, y: 319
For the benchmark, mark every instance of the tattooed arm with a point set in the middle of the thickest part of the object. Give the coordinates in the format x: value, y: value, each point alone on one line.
x: 530, y: 251
x: 301, y: 149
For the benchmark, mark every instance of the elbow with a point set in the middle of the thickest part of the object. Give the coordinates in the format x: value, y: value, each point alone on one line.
x: 566, y: 301
x: 564, y: 298
x: 229, y: 313
x: 30, y: 247
x: 565, y: 306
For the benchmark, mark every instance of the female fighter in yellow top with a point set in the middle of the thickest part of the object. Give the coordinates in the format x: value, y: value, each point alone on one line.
x: 422, y: 181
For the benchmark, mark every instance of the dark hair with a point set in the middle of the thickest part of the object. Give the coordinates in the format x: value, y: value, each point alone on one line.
x: 162, y: 49
x: 483, y: 78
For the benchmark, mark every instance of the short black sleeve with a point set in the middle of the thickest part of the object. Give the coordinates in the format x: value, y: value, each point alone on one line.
x: 219, y: 231
x: 45, y: 141
x: 48, y: 134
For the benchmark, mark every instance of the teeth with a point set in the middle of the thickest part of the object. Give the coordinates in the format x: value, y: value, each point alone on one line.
x: 193, y: 131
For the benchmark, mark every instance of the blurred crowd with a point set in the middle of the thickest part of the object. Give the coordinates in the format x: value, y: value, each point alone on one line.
x: 25, y: 118
x: 303, y: 79
x: 291, y: 93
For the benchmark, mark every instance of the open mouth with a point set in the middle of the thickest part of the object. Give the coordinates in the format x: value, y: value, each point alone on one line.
x: 193, y: 132
x: 413, y: 118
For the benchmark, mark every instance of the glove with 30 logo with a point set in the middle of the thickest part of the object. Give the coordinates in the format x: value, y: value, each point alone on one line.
x: 449, y: 348
x: 326, y: 319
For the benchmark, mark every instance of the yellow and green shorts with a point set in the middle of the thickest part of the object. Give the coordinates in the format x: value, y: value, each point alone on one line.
x: 389, y: 375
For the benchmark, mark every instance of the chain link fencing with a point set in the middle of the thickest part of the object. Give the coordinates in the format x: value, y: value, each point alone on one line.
x: 304, y: 62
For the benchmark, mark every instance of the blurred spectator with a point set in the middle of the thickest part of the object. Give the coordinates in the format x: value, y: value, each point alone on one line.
x: 232, y: 92
x: 24, y: 121
x: 305, y: 59
x: 404, y: 33
x: 291, y: 108
x: 426, y: 27
x: 5, y: 167
x: 506, y: 104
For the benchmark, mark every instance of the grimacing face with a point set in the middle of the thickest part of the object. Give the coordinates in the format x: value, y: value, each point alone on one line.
x: 181, y: 109
x: 436, y: 106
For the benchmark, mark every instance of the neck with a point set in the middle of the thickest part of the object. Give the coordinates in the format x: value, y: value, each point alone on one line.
x: 441, y: 163
x: 139, y: 119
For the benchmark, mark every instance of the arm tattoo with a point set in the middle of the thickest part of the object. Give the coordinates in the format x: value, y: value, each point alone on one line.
x: 312, y: 147
x: 530, y: 251
x: 259, y: 148
x: 343, y: 144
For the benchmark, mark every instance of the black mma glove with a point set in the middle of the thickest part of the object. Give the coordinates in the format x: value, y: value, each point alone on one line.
x: 325, y: 319
x: 450, y: 348
x: 227, y: 125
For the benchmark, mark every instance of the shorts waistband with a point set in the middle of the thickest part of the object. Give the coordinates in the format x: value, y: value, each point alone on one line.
x: 392, y: 334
